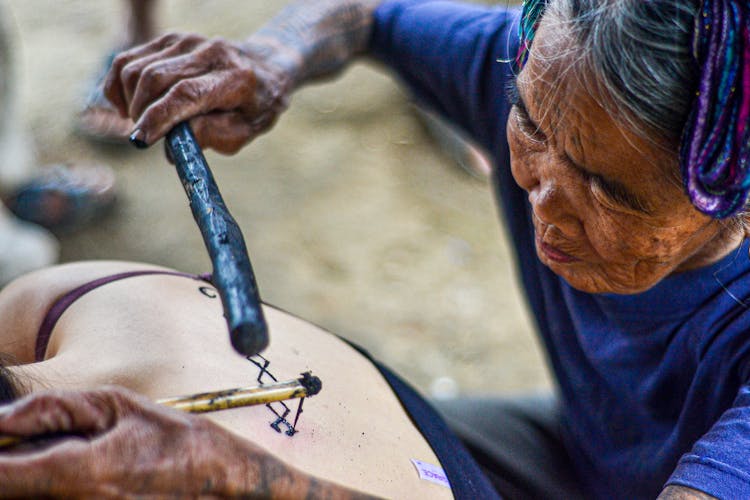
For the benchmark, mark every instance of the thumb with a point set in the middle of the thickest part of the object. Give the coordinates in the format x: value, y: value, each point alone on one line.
x: 58, y: 412
x: 224, y: 132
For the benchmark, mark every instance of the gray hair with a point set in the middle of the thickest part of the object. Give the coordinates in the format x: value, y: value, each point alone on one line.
x: 639, y: 53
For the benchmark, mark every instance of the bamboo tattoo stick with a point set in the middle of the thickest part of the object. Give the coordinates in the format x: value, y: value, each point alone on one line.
x: 232, y: 273
x: 305, y: 386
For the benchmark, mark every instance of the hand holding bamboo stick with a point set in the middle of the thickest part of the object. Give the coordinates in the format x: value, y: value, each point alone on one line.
x: 305, y: 386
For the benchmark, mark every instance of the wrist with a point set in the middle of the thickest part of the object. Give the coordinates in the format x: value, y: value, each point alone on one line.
x: 282, y: 62
x: 313, y: 39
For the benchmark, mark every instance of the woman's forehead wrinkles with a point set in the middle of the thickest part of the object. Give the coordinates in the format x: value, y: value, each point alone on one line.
x: 579, y: 133
x: 542, y: 98
x: 553, y: 101
x: 579, y: 154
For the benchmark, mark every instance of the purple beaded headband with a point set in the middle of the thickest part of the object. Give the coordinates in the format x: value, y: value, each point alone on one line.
x: 715, y: 144
x: 715, y: 152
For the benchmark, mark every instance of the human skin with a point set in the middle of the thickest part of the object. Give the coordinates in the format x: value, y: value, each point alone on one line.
x: 234, y: 91
x: 127, y: 447
x: 590, y: 239
x: 163, y: 336
x: 567, y: 151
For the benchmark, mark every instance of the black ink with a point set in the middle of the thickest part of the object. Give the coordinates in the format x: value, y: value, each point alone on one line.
x: 281, y: 419
x: 208, y: 292
x: 261, y: 363
x: 299, y: 412
x: 311, y: 383
x: 283, y: 410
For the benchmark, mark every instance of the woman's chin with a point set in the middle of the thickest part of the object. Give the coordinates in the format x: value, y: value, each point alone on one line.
x: 582, y: 277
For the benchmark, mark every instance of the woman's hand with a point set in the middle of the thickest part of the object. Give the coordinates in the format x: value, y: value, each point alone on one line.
x: 113, y: 443
x: 230, y: 92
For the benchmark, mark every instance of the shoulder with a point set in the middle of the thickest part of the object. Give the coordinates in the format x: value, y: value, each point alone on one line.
x: 25, y: 301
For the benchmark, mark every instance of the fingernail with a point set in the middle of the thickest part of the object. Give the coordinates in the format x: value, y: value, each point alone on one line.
x: 138, y: 139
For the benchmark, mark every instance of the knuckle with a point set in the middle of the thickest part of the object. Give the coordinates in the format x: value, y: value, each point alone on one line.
x: 215, y: 48
x: 167, y: 39
x: 130, y: 74
x: 120, y: 60
x: 150, y: 75
x: 184, y: 90
x: 218, y: 43
x: 188, y: 40
x: 246, y: 80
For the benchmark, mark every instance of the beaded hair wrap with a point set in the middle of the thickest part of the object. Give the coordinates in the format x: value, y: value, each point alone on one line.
x: 715, y: 149
x: 531, y: 14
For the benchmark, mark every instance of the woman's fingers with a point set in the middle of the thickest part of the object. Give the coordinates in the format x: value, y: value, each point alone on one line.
x: 210, y: 94
x: 114, y: 88
x: 110, y: 443
x: 57, y: 412
x: 42, y: 474
x: 230, y: 95
x: 152, y: 76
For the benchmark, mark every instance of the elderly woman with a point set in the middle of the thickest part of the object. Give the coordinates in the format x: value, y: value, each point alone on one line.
x: 620, y: 134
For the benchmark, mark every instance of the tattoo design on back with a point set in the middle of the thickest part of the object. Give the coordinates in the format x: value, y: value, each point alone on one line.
x: 279, y: 408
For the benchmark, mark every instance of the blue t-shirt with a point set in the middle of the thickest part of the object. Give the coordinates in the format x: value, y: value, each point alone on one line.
x: 654, y: 386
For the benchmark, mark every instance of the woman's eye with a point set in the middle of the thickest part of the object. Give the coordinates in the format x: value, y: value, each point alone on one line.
x: 612, y: 198
x: 530, y: 129
x: 601, y: 194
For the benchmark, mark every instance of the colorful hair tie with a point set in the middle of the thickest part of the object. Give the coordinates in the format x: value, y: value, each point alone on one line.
x: 715, y: 149
x: 531, y: 14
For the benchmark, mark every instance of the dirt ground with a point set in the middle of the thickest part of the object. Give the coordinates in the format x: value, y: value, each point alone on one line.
x: 352, y: 217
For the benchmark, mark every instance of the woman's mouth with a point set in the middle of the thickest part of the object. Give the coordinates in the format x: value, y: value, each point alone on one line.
x: 555, y: 254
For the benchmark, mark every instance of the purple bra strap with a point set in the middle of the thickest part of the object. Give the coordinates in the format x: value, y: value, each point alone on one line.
x: 61, y: 304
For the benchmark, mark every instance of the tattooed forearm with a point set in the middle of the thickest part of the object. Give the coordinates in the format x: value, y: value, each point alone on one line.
x: 315, y: 38
x: 331, y: 491
x: 273, y: 479
x: 683, y: 493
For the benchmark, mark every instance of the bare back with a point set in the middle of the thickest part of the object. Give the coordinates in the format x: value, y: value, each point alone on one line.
x: 164, y: 336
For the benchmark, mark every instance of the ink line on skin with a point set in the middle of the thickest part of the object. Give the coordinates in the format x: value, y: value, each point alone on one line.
x: 283, y: 411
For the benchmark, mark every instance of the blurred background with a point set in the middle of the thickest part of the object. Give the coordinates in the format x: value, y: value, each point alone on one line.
x: 353, y: 218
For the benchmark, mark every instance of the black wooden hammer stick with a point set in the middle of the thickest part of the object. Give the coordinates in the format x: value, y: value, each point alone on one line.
x: 232, y: 273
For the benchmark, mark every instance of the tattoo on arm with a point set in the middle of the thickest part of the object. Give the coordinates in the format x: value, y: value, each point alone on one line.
x: 316, y: 38
x: 275, y: 481
x: 674, y: 492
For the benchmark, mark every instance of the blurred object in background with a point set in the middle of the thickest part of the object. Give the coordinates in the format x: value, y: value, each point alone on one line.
x: 60, y: 197
x: 23, y: 247
x: 352, y: 217
x: 461, y: 151
x: 98, y: 120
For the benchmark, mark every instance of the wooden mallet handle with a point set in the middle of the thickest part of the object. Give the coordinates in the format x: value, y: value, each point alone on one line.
x: 232, y: 273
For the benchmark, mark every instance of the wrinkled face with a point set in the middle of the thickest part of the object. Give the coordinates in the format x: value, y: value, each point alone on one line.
x: 608, y: 215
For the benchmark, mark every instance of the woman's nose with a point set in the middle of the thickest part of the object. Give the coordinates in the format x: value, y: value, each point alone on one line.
x: 551, y: 206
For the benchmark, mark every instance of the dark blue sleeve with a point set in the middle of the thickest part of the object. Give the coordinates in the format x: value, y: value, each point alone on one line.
x: 719, y: 463
x: 454, y: 57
